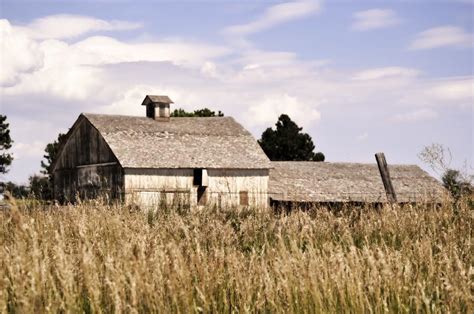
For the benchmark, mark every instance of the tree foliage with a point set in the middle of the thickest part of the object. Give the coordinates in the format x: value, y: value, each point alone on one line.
x: 457, y: 182
x: 5, y: 144
x: 288, y: 142
x: 16, y: 190
x: 51, y: 150
x: 42, y: 186
x: 205, y: 112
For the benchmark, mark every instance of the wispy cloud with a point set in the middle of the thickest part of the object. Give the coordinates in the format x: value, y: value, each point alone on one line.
x: 442, y: 36
x: 274, y: 15
x: 415, y: 116
x: 63, y: 26
x: 374, y: 19
x: 386, y: 72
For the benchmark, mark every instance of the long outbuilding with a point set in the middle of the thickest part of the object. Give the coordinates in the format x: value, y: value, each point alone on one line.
x: 303, y: 183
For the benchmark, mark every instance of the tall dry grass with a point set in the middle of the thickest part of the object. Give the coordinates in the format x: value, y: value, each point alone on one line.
x: 92, y: 258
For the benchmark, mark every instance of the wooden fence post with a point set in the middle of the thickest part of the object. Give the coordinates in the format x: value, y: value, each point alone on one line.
x: 385, y: 174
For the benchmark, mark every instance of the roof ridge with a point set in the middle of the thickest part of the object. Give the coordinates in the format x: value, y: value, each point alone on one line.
x: 143, y: 117
x: 339, y: 163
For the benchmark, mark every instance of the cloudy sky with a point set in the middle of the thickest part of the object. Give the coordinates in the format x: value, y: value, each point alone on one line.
x: 359, y: 76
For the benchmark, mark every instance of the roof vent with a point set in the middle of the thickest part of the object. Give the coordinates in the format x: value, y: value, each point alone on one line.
x: 157, y: 107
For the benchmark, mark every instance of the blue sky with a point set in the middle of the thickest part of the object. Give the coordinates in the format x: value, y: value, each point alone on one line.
x: 359, y: 76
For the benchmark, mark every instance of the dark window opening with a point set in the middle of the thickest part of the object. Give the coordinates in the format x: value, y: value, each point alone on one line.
x: 197, y: 177
x: 244, y: 198
x: 202, y: 195
x: 150, y: 111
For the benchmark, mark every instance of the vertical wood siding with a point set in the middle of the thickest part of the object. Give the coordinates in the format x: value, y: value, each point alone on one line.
x: 151, y: 187
x: 87, y: 167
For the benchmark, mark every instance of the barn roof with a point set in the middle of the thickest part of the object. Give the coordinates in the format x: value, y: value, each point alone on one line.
x: 191, y: 142
x: 157, y: 99
x: 321, y: 182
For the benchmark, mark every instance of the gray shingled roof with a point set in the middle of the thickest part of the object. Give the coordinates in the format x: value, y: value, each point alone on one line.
x: 349, y: 182
x: 211, y: 142
x: 157, y: 98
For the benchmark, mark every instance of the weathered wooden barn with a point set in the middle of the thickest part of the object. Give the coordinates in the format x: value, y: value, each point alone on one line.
x: 200, y: 161
x: 300, y: 183
x: 155, y: 159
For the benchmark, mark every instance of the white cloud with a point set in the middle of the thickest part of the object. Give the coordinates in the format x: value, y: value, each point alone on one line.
x: 22, y: 150
x: 442, y: 36
x: 374, y: 19
x: 386, y: 72
x: 18, y: 55
x: 104, y: 50
x: 415, y: 116
x: 457, y: 90
x: 267, y: 109
x: 104, y: 74
x: 73, y: 71
x: 454, y: 92
x: 276, y: 14
x: 63, y: 26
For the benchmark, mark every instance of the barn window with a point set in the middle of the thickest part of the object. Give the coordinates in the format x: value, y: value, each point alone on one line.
x: 197, y: 177
x: 200, y: 177
x: 244, y: 198
x: 202, y: 195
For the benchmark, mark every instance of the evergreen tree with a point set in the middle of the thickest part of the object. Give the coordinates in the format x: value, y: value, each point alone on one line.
x: 42, y: 186
x: 51, y: 150
x: 5, y: 144
x: 287, y: 142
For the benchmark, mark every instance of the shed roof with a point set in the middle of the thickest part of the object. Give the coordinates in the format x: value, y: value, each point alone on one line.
x: 319, y: 182
x: 157, y: 99
x: 188, y: 142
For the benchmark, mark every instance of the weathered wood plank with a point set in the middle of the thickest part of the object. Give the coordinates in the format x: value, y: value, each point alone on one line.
x: 385, y: 174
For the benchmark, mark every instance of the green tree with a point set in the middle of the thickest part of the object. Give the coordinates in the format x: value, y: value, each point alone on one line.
x: 42, y: 186
x: 454, y: 182
x: 205, y: 112
x: 319, y: 156
x: 287, y: 142
x: 17, y: 191
x: 457, y: 182
x: 51, y: 150
x: 5, y: 144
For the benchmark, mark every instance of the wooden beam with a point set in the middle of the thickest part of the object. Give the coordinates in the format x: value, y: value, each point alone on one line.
x: 98, y: 165
x: 385, y: 174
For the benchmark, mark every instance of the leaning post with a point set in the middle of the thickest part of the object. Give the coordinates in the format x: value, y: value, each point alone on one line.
x: 385, y: 174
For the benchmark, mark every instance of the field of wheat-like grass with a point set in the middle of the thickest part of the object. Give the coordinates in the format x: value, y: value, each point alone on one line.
x: 95, y: 258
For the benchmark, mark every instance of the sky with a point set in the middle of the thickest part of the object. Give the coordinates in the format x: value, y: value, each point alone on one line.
x: 359, y: 76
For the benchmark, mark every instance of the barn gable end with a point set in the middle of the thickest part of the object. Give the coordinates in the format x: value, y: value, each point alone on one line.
x: 86, y: 166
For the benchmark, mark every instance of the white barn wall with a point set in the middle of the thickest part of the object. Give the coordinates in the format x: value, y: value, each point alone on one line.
x: 225, y: 185
x: 148, y: 187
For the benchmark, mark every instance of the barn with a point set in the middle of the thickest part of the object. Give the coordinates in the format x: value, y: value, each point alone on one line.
x: 301, y: 184
x: 157, y: 158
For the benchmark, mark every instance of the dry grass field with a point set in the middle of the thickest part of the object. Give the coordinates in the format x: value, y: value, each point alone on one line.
x: 93, y: 258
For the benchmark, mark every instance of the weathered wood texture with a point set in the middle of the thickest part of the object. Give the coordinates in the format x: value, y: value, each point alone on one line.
x: 151, y: 187
x: 86, y: 166
x: 385, y: 174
